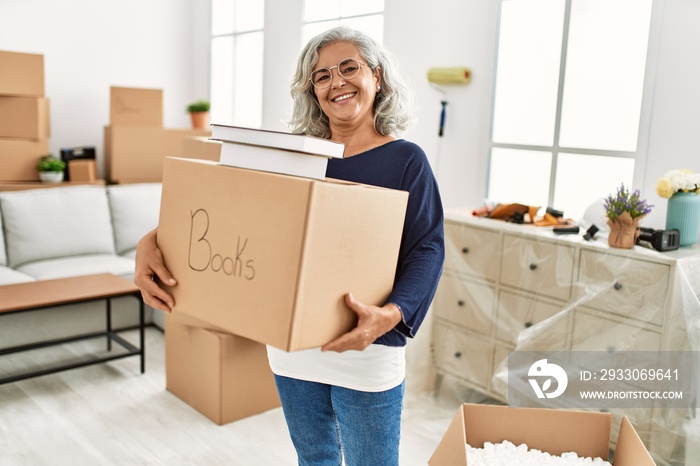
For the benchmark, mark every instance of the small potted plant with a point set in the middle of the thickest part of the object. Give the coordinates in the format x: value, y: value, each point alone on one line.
x: 51, y: 169
x: 199, y: 112
x: 625, y: 210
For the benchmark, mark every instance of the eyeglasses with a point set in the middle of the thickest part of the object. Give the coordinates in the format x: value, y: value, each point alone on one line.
x: 347, y: 69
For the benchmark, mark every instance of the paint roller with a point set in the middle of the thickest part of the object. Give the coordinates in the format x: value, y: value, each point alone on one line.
x: 451, y: 75
x: 456, y: 75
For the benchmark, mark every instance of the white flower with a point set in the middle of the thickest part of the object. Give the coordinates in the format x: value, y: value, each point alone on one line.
x: 678, y: 180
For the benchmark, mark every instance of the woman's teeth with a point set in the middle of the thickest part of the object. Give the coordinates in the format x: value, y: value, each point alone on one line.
x: 343, y: 97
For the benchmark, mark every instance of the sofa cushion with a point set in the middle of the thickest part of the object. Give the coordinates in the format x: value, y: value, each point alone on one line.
x: 135, y: 209
x: 8, y: 276
x: 43, y: 224
x: 79, y: 265
x: 131, y: 254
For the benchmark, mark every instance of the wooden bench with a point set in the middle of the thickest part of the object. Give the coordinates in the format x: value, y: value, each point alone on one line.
x: 43, y: 294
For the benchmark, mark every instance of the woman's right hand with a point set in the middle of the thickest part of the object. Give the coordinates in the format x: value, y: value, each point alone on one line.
x: 149, y: 266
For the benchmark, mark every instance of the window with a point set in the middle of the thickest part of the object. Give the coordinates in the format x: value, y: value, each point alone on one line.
x: 364, y: 15
x: 237, y: 62
x: 568, y: 101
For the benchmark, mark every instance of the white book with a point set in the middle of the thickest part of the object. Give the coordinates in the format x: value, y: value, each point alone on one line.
x: 270, y: 159
x: 278, y: 139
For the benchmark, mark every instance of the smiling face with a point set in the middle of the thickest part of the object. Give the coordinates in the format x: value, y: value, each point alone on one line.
x: 347, y: 102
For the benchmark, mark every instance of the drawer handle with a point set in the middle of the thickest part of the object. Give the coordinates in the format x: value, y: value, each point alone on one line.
x: 465, y: 250
x: 458, y: 354
x: 528, y: 324
x: 460, y: 303
x: 533, y: 266
x: 617, y: 286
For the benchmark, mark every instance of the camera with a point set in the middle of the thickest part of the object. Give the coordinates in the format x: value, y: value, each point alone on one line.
x: 661, y: 240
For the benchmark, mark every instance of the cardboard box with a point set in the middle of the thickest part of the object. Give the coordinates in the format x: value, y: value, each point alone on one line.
x: 21, y: 74
x: 135, y: 107
x: 24, y: 117
x: 18, y: 159
x: 270, y: 257
x: 82, y: 170
x: 69, y: 154
x: 551, y: 430
x: 137, y: 153
x: 195, y: 147
x: 223, y: 376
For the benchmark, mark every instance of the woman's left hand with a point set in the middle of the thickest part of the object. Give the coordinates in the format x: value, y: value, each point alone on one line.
x: 372, y: 323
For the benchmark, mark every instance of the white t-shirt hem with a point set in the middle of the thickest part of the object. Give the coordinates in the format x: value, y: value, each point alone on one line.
x: 378, y: 368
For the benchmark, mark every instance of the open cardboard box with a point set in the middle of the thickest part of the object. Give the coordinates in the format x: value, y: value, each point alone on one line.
x: 551, y: 430
x: 270, y: 257
x: 223, y: 376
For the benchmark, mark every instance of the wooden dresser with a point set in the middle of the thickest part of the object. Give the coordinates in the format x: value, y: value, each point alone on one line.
x: 507, y: 286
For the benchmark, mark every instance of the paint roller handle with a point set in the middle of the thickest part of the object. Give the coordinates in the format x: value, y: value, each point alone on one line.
x: 442, y: 118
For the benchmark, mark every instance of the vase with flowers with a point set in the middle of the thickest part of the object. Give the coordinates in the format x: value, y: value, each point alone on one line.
x: 625, y: 210
x: 682, y: 189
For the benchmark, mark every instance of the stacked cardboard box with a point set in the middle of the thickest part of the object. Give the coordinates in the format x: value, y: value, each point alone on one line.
x: 223, y: 376
x: 197, y: 147
x: 24, y: 115
x: 135, y: 141
x: 263, y: 258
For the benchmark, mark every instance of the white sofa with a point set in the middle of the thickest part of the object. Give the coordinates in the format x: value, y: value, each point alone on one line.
x: 70, y: 231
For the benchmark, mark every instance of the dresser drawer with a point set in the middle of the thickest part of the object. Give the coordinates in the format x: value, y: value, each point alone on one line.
x: 465, y: 356
x: 624, y: 286
x: 465, y: 303
x: 472, y: 251
x: 499, y: 385
x: 538, y: 266
x: 518, y: 312
x: 594, y: 333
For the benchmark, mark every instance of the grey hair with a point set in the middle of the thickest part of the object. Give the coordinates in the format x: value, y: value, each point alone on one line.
x: 393, y: 112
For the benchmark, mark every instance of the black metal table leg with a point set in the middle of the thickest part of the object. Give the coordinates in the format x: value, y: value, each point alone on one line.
x: 142, y: 335
x: 108, y: 314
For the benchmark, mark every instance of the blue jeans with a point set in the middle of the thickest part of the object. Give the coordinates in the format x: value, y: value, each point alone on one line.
x: 327, y: 423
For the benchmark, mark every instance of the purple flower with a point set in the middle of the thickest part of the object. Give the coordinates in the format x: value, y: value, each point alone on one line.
x: 623, y: 202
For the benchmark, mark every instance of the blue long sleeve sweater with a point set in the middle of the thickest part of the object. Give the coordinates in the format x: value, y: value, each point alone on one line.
x: 403, y: 165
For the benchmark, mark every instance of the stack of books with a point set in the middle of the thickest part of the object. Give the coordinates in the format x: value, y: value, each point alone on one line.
x: 275, y: 151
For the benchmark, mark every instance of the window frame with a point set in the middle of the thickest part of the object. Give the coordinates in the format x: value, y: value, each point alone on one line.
x: 641, y: 152
x: 235, y: 35
x: 342, y: 20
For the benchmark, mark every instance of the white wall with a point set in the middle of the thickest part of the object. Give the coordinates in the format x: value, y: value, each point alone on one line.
x: 90, y: 45
x: 444, y: 33
x: 674, y: 134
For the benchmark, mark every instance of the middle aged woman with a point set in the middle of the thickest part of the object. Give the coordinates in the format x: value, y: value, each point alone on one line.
x: 345, y: 399
x: 343, y: 402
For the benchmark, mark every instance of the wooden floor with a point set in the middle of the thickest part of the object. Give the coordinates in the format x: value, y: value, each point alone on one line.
x: 111, y: 414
